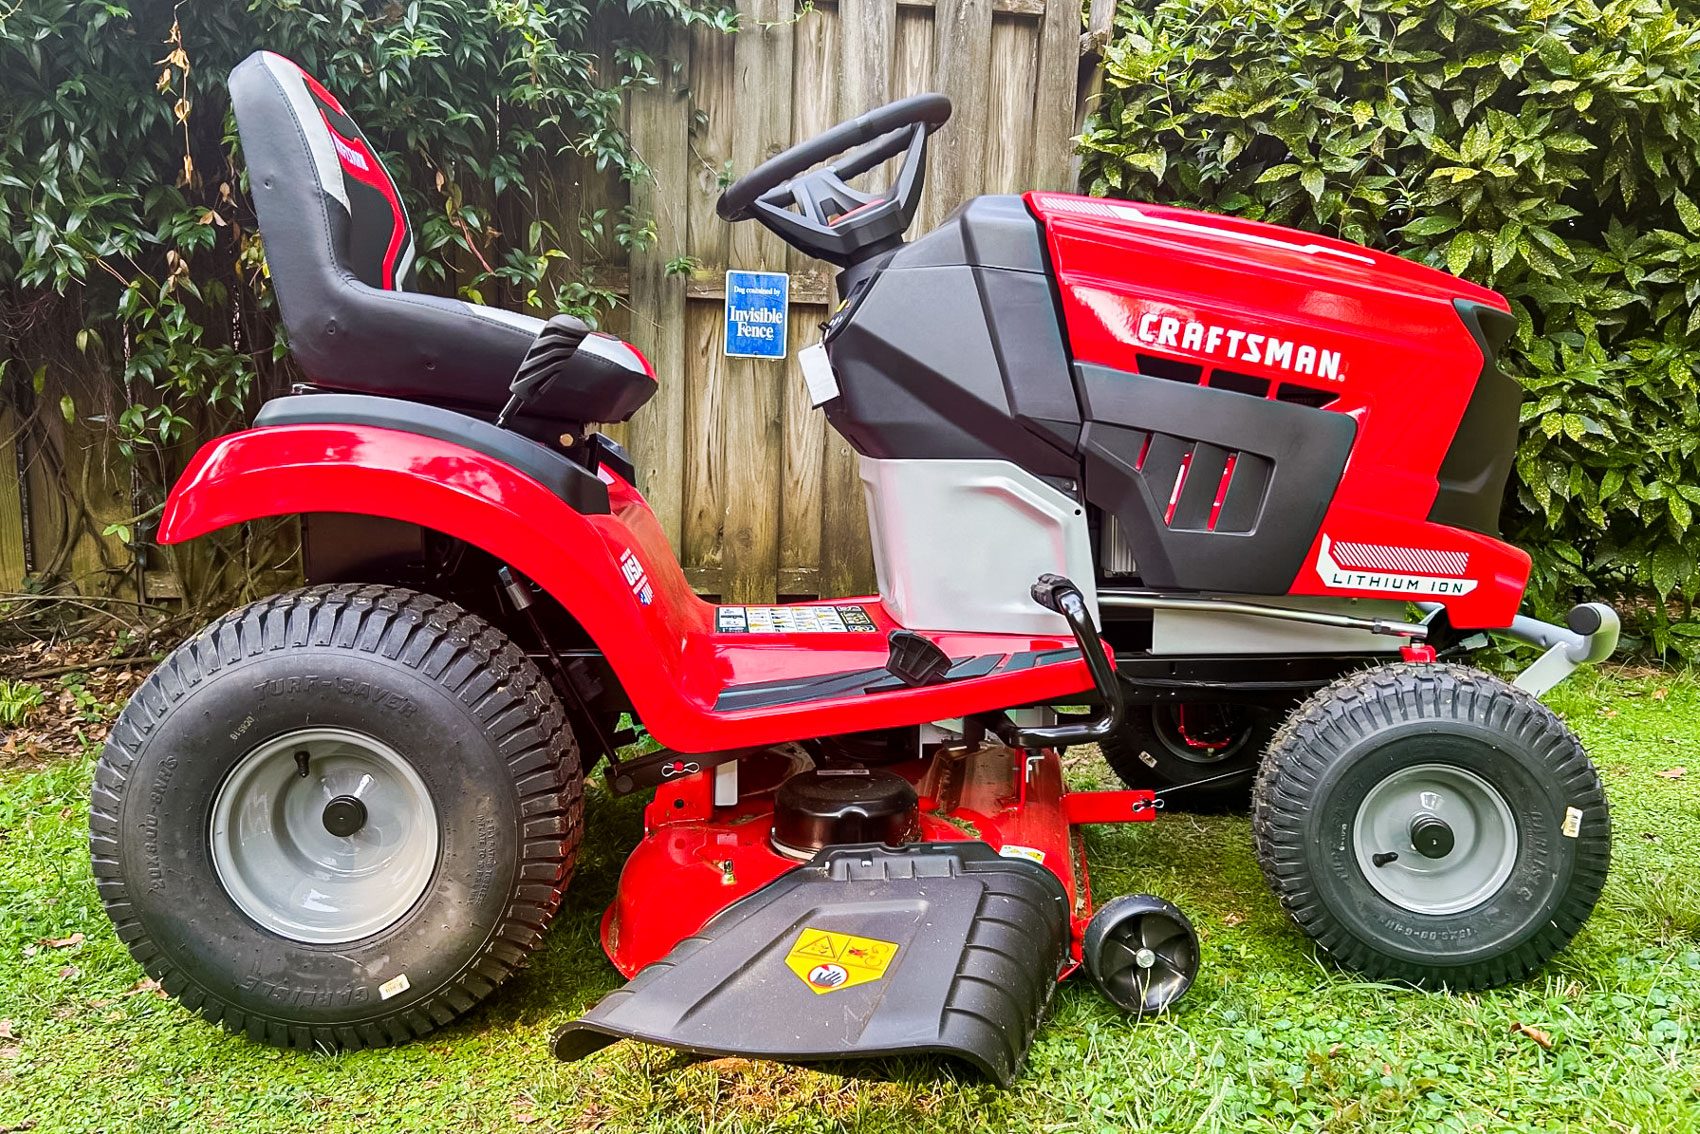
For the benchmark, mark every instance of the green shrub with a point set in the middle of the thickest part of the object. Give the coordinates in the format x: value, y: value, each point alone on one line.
x: 132, y: 293
x: 1546, y: 148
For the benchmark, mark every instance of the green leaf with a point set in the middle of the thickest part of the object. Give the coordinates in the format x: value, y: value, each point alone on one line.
x: 1460, y: 252
x: 1431, y: 225
x: 1689, y: 214
x: 1670, y: 565
x: 1681, y: 514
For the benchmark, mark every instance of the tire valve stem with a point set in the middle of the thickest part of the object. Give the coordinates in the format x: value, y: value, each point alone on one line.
x: 301, y: 762
x: 1384, y: 858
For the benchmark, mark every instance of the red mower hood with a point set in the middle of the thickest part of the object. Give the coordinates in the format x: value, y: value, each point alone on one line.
x: 1195, y: 236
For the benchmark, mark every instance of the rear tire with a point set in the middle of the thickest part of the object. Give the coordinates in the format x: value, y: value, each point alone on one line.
x: 1152, y: 751
x: 1434, y: 824
x: 338, y: 817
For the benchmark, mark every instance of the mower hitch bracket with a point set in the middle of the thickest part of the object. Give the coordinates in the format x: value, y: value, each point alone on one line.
x: 1589, y: 637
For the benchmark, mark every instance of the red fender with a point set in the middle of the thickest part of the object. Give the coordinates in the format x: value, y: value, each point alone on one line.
x: 615, y: 573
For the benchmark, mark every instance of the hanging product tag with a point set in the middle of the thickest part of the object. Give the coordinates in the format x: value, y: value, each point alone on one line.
x: 818, y: 375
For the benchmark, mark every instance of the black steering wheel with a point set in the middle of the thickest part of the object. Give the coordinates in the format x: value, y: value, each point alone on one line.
x: 815, y: 211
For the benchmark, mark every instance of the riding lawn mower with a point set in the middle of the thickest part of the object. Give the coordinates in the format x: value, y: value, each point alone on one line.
x: 1219, y: 497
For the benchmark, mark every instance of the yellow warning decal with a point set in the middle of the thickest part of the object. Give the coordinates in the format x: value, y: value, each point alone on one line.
x: 828, y: 961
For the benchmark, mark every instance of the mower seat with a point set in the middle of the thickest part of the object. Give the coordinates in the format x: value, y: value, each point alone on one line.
x: 341, y: 255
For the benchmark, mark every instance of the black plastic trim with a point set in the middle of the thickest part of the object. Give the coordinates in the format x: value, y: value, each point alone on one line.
x: 1030, y: 659
x: 605, y: 452
x: 955, y: 349
x: 570, y: 481
x: 1478, y: 462
x: 979, y: 943
x: 1138, y: 432
x: 767, y: 694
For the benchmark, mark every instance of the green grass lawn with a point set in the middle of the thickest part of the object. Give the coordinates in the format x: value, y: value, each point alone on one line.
x: 1270, y: 1038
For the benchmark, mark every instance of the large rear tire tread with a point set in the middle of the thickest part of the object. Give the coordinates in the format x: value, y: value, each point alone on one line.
x: 468, y: 658
x: 1354, y: 708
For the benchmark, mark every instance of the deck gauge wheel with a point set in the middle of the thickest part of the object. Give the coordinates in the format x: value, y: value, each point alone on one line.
x: 1141, y: 952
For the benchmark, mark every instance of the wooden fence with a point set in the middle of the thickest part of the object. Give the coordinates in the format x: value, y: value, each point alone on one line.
x: 758, y: 496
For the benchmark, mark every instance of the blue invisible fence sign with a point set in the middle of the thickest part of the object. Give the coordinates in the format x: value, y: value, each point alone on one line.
x: 757, y: 314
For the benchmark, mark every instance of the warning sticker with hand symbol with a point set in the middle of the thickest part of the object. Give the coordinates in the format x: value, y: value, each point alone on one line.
x: 827, y: 961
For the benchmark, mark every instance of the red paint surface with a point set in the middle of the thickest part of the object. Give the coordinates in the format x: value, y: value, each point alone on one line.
x: 666, y: 654
x: 1408, y: 363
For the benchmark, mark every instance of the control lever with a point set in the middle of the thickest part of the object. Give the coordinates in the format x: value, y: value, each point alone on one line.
x: 1055, y: 593
x: 546, y: 357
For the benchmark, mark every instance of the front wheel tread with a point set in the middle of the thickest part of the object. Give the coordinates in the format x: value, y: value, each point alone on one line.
x: 1355, y: 707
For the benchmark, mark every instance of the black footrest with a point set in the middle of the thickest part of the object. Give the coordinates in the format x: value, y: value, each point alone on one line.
x: 941, y: 948
x: 915, y: 660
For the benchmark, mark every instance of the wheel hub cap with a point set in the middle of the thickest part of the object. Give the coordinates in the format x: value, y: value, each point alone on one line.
x: 324, y: 836
x: 344, y: 816
x: 1149, y: 960
x: 1431, y: 836
x: 1435, y: 839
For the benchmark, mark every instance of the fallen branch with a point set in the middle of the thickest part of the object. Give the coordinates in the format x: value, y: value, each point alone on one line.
x: 114, y: 663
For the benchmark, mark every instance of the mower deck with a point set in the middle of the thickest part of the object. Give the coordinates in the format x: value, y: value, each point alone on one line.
x: 942, y: 948
x: 737, y: 898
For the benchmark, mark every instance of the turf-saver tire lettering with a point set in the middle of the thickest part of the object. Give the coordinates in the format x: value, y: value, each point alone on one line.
x: 476, y: 720
x: 1349, y: 737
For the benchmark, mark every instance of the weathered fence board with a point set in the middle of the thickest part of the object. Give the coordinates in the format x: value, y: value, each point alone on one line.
x: 769, y: 502
x: 12, y: 556
x: 662, y: 117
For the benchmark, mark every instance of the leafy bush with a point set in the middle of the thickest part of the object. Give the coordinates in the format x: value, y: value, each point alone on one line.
x: 1546, y: 148
x: 129, y: 255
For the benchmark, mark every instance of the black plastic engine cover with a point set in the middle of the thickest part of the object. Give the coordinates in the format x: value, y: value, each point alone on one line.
x: 958, y: 953
x: 955, y: 349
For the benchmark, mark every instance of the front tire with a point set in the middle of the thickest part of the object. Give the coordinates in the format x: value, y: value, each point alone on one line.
x: 338, y: 817
x: 1434, y: 824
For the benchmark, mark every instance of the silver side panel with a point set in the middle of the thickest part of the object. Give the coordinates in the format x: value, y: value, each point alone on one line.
x: 1211, y: 632
x: 958, y: 544
x: 1117, y: 555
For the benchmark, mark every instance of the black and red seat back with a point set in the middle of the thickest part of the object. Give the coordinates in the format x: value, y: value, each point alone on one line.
x: 378, y: 243
x: 341, y: 255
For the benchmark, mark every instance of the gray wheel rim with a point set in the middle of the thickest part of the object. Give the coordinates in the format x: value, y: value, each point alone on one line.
x: 1484, y: 834
x: 284, y: 868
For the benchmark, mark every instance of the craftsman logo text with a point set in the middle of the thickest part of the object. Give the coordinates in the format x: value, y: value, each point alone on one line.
x: 1240, y: 345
